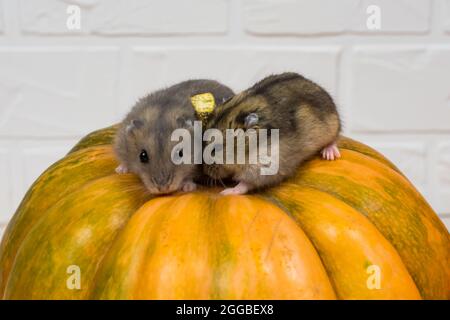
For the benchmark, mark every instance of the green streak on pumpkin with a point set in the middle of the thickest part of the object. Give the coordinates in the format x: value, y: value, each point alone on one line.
x: 390, y: 214
x: 97, y: 138
x: 61, y: 179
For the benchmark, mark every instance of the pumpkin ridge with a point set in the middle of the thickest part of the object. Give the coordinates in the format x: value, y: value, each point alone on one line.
x: 108, y: 252
x: 312, y: 178
x: 403, y: 179
x: 112, y: 288
x: 13, y: 238
x: 166, y: 215
x: 355, y: 146
x: 366, y: 213
x: 303, y: 208
x: 223, y: 247
x: 278, y: 224
x: 288, y: 212
x: 36, y: 224
x: 71, y: 235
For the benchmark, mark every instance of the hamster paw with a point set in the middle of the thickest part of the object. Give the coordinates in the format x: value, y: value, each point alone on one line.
x: 331, y: 152
x: 122, y: 169
x: 240, y: 188
x: 189, y: 186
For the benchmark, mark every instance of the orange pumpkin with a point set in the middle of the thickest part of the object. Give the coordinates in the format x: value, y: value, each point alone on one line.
x: 349, y: 229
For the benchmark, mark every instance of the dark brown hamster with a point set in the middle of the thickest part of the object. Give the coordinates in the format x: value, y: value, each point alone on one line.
x: 305, y: 115
x: 143, y: 143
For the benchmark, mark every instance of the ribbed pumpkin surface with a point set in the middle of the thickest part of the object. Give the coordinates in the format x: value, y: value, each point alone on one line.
x: 313, y: 237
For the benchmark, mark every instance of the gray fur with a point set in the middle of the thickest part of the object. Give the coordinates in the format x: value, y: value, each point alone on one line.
x: 149, y: 125
x: 304, y: 113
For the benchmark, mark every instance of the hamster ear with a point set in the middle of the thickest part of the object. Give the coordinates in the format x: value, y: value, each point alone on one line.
x: 225, y: 100
x: 251, y: 120
x: 134, y: 124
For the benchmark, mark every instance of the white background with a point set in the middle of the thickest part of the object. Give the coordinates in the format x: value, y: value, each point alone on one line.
x: 392, y: 86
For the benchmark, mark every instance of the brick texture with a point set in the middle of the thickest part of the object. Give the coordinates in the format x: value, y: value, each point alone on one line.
x: 443, y: 177
x: 152, y: 68
x: 127, y: 17
x: 5, y: 184
x: 303, y: 17
x: 48, y: 91
x: 446, y: 15
x: 400, y: 88
x: 1, y: 17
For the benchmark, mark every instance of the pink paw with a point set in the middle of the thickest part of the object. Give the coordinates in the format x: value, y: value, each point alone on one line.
x: 331, y: 152
x: 122, y: 169
x: 189, y: 186
x: 240, y: 188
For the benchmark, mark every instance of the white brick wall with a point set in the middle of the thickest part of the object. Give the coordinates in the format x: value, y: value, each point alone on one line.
x: 156, y: 67
x: 445, y: 7
x: 1, y: 18
x: 411, y: 83
x: 44, y: 87
x: 306, y: 17
x: 127, y: 17
x: 392, y: 85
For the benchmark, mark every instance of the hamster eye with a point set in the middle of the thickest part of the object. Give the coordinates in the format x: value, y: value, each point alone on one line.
x: 143, y: 156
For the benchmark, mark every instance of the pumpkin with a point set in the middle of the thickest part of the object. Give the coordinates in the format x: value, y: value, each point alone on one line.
x: 354, y: 228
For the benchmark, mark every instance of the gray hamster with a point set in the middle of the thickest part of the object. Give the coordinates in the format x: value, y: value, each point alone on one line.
x: 143, y: 143
x: 305, y: 115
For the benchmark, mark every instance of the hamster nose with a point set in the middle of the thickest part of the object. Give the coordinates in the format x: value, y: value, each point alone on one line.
x: 163, y: 181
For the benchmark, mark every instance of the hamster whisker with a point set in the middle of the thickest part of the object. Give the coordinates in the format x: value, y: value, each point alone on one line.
x: 223, y: 184
x: 209, y: 181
